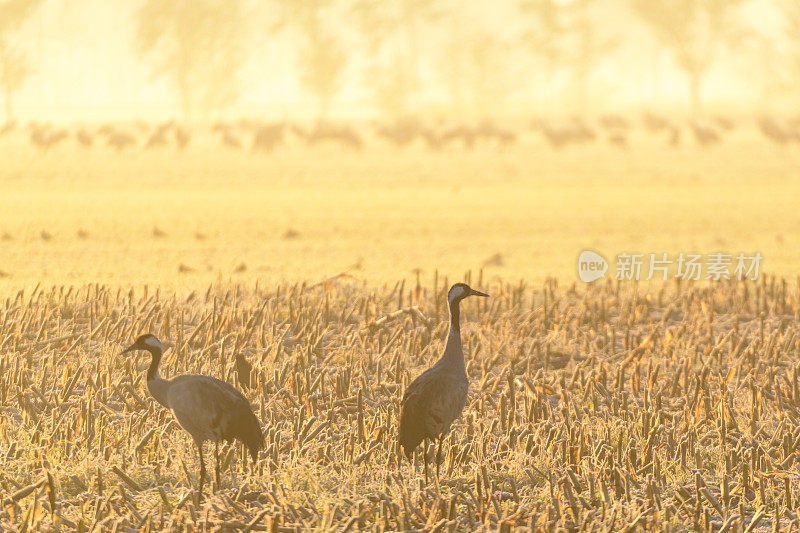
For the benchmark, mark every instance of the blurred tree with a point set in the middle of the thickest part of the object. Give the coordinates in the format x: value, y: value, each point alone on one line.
x: 391, y: 34
x: 198, y: 45
x: 13, y: 71
x: 476, y: 69
x: 587, y: 45
x: 693, y: 31
x: 545, y: 35
x: 566, y: 36
x: 413, y: 15
x: 321, y: 52
x: 386, y: 74
x: 14, y: 65
x: 791, y: 17
x: 321, y: 55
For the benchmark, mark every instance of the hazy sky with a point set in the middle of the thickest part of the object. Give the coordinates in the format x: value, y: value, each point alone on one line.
x: 81, y: 52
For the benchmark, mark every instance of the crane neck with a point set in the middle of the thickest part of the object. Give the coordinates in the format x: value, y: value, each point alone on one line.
x: 152, y: 371
x: 158, y: 386
x: 453, y: 353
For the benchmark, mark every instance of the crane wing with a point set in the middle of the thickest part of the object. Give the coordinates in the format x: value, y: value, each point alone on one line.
x: 206, y: 407
x: 430, y: 404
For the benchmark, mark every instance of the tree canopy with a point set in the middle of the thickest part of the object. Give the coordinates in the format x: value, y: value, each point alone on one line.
x: 199, y: 50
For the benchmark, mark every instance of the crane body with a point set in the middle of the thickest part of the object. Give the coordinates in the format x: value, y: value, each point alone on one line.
x: 436, y: 398
x: 207, y: 408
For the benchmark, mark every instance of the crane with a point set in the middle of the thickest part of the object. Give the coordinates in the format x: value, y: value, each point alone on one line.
x: 437, y: 396
x: 207, y: 408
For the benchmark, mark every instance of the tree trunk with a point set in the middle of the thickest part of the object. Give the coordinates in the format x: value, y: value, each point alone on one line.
x: 695, y: 82
x: 411, y: 58
x: 184, y: 92
x: 9, y: 107
x: 186, y: 106
x: 324, y: 106
x: 582, y: 89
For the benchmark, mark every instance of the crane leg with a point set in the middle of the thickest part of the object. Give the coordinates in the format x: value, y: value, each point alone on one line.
x: 400, y: 469
x: 438, y: 456
x: 401, y: 465
x: 425, y: 458
x: 202, y: 466
x: 216, y: 461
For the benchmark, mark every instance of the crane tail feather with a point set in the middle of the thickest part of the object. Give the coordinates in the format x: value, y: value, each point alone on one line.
x: 248, y: 430
x: 411, y: 433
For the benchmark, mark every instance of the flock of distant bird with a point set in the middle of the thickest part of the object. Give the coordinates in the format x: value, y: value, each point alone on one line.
x: 260, y: 136
x: 210, y: 409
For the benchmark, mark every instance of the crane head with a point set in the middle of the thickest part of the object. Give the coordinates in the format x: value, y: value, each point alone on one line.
x: 459, y: 291
x: 148, y: 342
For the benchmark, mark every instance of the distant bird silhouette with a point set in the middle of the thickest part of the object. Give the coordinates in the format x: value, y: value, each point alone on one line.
x: 120, y: 140
x: 775, y: 132
x: 459, y: 132
x: 704, y: 135
x: 436, y: 398
x: 655, y: 123
x: 614, y: 122
x: 488, y: 130
x: 44, y: 138
x: 8, y: 127
x: 207, y: 408
x: 268, y: 136
x: 182, y: 137
x: 724, y: 122
x: 402, y: 131
x: 230, y: 140
x: 85, y: 138
x: 159, y: 135
x: 618, y: 139
x: 344, y: 135
x: 495, y: 260
x: 557, y: 136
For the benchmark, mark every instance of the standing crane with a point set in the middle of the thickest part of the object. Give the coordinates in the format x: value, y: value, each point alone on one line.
x: 436, y: 398
x: 207, y: 408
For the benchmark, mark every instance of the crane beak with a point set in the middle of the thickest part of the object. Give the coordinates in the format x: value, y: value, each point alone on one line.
x: 130, y: 348
x: 478, y: 293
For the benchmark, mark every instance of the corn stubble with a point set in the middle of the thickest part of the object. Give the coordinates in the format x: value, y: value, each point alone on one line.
x: 600, y: 407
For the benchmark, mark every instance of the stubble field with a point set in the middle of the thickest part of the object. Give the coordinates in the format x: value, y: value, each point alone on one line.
x: 603, y: 406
